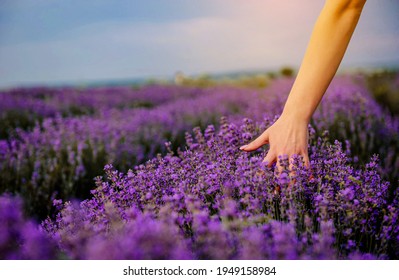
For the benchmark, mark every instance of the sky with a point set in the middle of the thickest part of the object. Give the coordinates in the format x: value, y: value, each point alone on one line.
x: 62, y: 41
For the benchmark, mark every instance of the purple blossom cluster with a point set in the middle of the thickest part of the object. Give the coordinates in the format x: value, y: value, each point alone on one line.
x: 198, y: 196
x: 350, y: 114
x: 211, y: 201
x: 24, y: 107
x: 21, y: 238
x: 64, y: 100
x: 60, y: 156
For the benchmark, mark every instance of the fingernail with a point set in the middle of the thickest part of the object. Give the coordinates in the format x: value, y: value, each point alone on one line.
x: 243, y: 147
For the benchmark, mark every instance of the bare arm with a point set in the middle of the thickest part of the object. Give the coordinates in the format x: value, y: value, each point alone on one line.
x: 326, y: 48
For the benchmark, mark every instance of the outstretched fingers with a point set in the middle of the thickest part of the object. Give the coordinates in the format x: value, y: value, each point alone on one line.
x: 257, y: 143
x: 270, y: 158
x: 306, y: 160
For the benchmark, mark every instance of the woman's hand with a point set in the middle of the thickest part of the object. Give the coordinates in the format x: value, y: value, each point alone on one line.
x: 330, y: 38
x: 288, y: 136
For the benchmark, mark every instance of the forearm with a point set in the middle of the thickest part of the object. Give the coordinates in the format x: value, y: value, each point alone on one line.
x: 326, y: 48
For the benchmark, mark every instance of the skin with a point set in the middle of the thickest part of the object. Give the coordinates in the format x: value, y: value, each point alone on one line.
x: 332, y: 32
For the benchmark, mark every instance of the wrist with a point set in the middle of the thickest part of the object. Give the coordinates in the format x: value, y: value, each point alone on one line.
x: 296, y: 115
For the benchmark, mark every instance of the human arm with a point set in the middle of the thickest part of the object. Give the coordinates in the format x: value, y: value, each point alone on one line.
x: 326, y: 48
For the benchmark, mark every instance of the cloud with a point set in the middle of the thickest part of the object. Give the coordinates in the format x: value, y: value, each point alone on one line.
x: 251, y: 34
x: 123, y: 49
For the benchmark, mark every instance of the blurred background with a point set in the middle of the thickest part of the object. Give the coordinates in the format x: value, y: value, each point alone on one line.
x: 70, y: 42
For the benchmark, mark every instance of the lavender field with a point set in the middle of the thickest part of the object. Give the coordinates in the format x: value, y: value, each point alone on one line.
x: 155, y: 172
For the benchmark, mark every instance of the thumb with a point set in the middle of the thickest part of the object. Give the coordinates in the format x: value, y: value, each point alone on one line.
x: 257, y: 143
